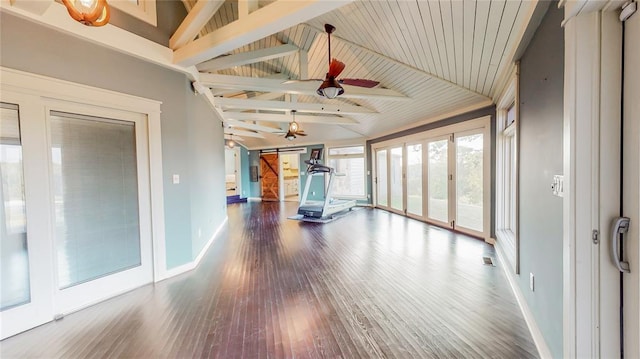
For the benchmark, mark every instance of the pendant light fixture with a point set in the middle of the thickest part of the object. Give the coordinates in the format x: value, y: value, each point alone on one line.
x: 330, y: 88
x: 88, y: 12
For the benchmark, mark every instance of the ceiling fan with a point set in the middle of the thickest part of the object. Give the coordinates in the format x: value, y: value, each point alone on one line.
x: 294, y: 129
x: 330, y: 87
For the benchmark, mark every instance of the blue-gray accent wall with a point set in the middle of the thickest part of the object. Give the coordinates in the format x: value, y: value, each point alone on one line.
x: 541, y: 127
x: 191, y: 133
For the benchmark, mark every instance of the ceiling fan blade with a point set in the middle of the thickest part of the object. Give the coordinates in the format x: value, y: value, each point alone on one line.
x: 359, y: 82
x: 306, y: 80
x: 336, y: 67
x: 301, y: 134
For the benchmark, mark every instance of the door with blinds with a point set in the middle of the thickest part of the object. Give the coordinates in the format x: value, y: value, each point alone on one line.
x: 75, y: 215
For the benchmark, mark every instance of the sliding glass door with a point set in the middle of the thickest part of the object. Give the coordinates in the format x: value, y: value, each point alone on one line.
x: 415, y: 183
x: 382, y: 183
x: 438, y: 175
x: 469, y: 181
x: 75, y: 220
x: 396, y: 176
x: 441, y: 178
x: 25, y: 267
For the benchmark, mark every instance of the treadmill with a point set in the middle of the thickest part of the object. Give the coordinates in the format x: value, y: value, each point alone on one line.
x: 330, y: 206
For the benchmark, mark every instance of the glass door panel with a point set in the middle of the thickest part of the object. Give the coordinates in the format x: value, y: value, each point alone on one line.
x: 469, y: 181
x: 102, y: 239
x: 96, y: 198
x: 25, y: 291
x: 414, y: 179
x: 438, y: 180
x: 15, y: 287
x: 395, y: 179
x: 381, y: 176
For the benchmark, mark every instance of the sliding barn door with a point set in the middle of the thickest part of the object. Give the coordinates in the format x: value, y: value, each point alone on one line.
x: 269, y: 170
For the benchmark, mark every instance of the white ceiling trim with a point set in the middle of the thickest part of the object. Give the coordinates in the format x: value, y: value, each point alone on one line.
x: 245, y: 104
x: 35, y: 7
x: 251, y: 126
x: 246, y: 7
x: 270, y: 117
x: 293, y: 87
x: 194, y: 22
x: 245, y: 58
x: 233, y: 131
x: 275, y: 17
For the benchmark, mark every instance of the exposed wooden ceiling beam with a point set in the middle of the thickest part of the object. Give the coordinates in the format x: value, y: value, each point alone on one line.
x: 245, y: 104
x: 275, y: 17
x: 270, y: 117
x: 246, y: 7
x: 251, y: 126
x: 294, y: 87
x: 229, y: 131
x: 249, y: 57
x: 193, y: 22
x: 34, y: 7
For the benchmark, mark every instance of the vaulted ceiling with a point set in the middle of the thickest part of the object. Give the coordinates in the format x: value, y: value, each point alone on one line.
x: 432, y: 58
x: 257, y: 60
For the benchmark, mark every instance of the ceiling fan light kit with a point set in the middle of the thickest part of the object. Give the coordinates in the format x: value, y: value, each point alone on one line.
x: 89, y: 12
x: 330, y: 88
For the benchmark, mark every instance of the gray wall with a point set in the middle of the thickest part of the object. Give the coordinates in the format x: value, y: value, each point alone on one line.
x: 33, y: 48
x: 487, y: 111
x: 541, y: 112
x: 170, y: 14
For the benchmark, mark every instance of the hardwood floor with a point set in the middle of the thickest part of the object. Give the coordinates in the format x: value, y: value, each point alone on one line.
x: 371, y: 284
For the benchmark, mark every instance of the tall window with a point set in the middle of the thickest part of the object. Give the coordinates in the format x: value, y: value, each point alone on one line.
x: 507, y: 174
x: 349, y: 164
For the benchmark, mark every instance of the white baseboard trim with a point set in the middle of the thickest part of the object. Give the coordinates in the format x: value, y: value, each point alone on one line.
x: 538, y: 339
x: 194, y: 264
x: 254, y: 199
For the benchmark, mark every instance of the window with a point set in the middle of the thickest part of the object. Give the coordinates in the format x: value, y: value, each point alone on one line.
x: 349, y: 164
x: 507, y: 174
x: 144, y: 10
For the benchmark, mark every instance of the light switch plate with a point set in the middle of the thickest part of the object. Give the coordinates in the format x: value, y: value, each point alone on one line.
x: 176, y: 179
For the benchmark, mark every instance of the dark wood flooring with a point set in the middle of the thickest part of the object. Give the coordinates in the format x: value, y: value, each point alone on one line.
x: 372, y: 284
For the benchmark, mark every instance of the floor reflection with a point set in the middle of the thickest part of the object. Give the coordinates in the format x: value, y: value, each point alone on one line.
x: 371, y: 284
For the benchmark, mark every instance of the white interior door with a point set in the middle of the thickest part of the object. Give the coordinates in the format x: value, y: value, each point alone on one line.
x: 631, y: 188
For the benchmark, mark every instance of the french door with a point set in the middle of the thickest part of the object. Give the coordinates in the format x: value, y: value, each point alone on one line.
x: 438, y: 178
x: 75, y: 215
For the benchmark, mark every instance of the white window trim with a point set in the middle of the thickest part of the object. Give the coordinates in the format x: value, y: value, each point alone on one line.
x: 364, y: 158
x: 145, y: 10
x: 504, y: 133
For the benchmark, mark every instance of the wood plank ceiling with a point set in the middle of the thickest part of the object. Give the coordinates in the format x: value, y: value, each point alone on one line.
x: 444, y: 56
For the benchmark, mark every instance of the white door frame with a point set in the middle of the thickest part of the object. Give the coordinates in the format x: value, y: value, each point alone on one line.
x: 631, y: 187
x: 42, y: 89
x: 591, y: 154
